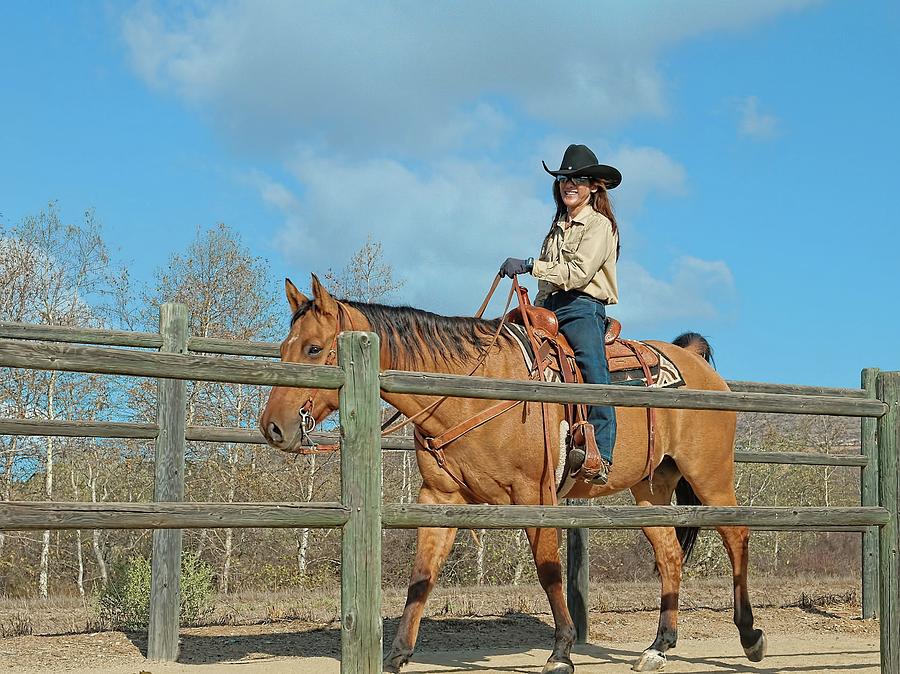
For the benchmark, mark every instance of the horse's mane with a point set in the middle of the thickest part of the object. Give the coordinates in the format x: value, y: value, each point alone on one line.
x: 415, y: 336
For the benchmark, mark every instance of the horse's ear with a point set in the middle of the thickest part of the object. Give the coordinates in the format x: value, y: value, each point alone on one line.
x: 322, y: 300
x: 294, y: 297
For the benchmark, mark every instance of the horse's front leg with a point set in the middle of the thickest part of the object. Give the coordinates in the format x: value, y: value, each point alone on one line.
x: 432, y: 547
x: 545, y: 548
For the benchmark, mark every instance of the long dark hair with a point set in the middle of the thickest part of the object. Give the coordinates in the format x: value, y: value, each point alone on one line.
x: 600, y: 203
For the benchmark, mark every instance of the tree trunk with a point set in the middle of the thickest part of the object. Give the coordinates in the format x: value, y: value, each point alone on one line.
x: 777, y: 537
x: 229, y: 533
x: 80, y: 558
x: 44, y: 577
x: 522, y: 548
x: 479, y: 556
x: 303, y: 544
x: 79, y: 578
x: 406, y: 489
x: 226, y: 569
x: 96, y: 533
x: 7, y: 483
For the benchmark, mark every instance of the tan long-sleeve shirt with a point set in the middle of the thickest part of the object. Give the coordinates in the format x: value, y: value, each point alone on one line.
x: 580, y: 256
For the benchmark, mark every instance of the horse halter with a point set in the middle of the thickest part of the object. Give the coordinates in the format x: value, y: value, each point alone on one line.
x: 307, y: 419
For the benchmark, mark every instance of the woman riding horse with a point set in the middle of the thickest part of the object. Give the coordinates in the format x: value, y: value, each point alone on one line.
x: 576, y: 274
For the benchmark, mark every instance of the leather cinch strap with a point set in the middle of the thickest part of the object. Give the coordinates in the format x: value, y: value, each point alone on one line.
x: 651, y: 413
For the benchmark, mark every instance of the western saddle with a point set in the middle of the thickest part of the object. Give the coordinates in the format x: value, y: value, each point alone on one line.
x: 552, y: 351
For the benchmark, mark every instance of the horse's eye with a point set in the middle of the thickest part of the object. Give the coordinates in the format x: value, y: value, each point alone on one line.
x: 313, y: 350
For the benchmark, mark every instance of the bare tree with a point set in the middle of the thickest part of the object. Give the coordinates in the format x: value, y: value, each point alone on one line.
x: 229, y: 293
x: 366, y: 277
x: 53, y: 274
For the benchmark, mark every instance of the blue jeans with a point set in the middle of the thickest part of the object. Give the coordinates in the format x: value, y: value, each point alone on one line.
x: 582, y: 320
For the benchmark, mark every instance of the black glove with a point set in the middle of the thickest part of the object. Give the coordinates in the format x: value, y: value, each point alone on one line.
x: 514, y: 265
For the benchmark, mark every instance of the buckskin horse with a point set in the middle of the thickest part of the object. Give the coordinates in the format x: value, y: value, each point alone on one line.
x: 504, y: 461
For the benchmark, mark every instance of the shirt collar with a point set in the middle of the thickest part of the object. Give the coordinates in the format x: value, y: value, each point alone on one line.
x: 584, y: 213
x: 581, y: 217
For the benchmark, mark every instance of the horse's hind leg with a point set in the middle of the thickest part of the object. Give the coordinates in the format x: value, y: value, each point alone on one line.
x: 545, y: 548
x: 669, y: 555
x: 736, y: 540
x: 432, y: 547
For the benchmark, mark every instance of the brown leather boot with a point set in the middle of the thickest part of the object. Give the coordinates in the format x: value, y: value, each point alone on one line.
x: 593, y: 469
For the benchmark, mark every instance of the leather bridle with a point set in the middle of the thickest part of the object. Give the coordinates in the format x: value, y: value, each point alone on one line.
x: 308, y: 421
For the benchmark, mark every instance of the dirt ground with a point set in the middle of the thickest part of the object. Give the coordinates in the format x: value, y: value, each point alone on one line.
x: 819, y: 633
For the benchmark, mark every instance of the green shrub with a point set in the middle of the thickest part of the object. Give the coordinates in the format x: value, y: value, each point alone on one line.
x: 197, y: 587
x: 125, y: 602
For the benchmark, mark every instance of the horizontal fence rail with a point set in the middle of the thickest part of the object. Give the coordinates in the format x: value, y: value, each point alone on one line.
x: 236, y: 347
x: 404, y: 516
x: 100, y: 429
x: 65, y: 333
x: 166, y: 365
x: 760, y: 387
x: 78, y: 429
x: 396, y: 381
x: 802, y: 458
x: 37, y: 515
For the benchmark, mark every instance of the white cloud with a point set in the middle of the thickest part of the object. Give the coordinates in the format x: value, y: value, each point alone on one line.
x: 399, y: 75
x: 695, y: 289
x: 358, y: 100
x: 445, y: 233
x: 646, y: 170
x: 755, y: 123
x: 274, y: 193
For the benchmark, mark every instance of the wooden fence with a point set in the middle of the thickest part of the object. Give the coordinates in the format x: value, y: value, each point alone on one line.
x: 360, y: 513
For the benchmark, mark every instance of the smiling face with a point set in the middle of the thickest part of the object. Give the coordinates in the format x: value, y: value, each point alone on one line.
x: 575, y: 194
x: 310, y: 341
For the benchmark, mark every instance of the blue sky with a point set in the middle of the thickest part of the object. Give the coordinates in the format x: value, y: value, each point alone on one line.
x: 758, y: 141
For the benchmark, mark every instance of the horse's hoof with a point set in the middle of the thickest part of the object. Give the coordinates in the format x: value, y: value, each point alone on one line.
x: 395, y: 660
x: 651, y: 660
x: 757, y: 651
x: 559, y: 667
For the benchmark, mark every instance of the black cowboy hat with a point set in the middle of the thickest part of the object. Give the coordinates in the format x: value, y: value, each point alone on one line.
x: 578, y: 161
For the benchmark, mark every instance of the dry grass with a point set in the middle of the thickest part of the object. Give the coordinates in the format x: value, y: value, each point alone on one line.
x: 64, y: 615
x: 18, y: 624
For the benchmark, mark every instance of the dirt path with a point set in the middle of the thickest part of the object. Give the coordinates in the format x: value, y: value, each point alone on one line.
x: 800, y: 641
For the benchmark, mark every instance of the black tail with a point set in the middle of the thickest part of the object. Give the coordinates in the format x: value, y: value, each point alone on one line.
x: 697, y: 343
x: 687, y: 536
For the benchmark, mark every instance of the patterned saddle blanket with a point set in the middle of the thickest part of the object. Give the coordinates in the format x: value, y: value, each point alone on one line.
x: 624, y: 366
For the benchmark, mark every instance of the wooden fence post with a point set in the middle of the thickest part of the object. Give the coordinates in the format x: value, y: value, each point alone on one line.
x: 868, y: 496
x: 361, y: 626
x: 578, y: 576
x: 888, y: 387
x: 165, y: 586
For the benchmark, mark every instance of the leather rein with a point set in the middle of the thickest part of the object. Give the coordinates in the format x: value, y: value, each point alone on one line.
x: 435, y: 445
